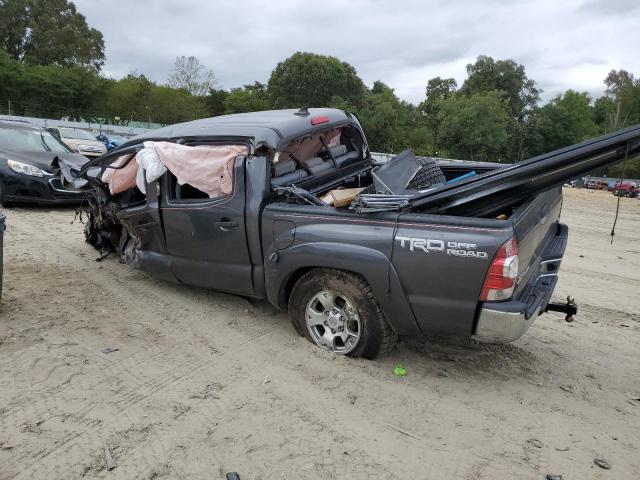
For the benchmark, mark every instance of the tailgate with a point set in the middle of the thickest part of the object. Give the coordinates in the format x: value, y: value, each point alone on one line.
x: 534, y: 226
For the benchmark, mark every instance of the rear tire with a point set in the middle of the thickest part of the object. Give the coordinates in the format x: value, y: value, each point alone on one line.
x: 430, y: 174
x: 338, y: 311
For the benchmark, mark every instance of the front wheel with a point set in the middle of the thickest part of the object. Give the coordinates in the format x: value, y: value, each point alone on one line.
x: 337, y: 311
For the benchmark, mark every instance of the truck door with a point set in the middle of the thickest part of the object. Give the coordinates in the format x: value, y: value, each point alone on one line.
x: 206, y: 237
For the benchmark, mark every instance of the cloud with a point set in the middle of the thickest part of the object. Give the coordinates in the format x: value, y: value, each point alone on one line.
x: 570, y: 44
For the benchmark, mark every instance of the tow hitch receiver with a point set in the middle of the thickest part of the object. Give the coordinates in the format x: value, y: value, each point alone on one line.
x: 570, y: 308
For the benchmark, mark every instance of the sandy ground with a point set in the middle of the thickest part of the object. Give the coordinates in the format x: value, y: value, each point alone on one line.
x: 206, y: 383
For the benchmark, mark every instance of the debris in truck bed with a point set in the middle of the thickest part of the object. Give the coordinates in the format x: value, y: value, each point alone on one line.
x: 341, y: 197
x: 302, y: 194
x: 375, y: 202
x: 394, y: 177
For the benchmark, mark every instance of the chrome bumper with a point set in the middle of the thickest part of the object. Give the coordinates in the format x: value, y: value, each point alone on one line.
x: 504, y: 322
x: 502, y: 327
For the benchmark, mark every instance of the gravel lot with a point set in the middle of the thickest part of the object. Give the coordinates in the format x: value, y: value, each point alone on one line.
x: 206, y: 383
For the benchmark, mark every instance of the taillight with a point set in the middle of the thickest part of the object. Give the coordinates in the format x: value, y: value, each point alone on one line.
x: 501, y: 278
x: 319, y: 120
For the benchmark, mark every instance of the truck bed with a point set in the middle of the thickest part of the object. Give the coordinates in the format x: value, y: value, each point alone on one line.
x: 427, y: 269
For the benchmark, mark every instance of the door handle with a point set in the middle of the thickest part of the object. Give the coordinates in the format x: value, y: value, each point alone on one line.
x: 225, y: 224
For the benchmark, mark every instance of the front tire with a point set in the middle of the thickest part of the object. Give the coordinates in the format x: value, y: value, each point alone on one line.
x: 338, y: 311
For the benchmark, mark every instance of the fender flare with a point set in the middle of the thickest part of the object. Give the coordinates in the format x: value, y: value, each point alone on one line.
x: 283, y: 267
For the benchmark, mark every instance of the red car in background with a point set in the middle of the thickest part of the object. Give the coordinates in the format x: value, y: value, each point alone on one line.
x: 626, y: 189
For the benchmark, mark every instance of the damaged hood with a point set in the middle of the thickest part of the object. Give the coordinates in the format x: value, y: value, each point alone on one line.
x: 69, y: 170
x: 48, y: 161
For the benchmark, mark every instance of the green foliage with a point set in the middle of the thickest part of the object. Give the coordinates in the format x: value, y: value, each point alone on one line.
x: 49, y: 32
x: 519, y: 92
x: 438, y: 89
x: 250, y: 98
x: 392, y: 125
x: 135, y: 97
x: 628, y: 169
x: 623, y: 89
x: 49, y: 90
x: 214, y: 102
x: 473, y: 127
x: 506, y: 77
x: 53, y: 91
x: 565, y: 120
x: 308, y: 79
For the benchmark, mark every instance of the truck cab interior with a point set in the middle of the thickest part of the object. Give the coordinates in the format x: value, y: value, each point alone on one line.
x: 319, y: 158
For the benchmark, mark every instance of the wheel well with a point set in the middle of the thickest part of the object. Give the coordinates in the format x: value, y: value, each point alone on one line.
x: 285, y: 292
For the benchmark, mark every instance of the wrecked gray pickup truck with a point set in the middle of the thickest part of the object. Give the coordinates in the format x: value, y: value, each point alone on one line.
x: 289, y: 206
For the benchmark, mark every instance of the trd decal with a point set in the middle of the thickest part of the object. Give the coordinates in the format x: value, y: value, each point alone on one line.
x: 456, y: 249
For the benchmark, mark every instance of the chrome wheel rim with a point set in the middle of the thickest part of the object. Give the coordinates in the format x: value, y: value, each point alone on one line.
x: 333, y: 322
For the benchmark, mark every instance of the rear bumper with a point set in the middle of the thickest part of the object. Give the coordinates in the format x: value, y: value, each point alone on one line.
x: 504, y: 322
x: 495, y: 326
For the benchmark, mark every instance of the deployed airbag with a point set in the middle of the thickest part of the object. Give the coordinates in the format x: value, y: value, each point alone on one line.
x: 208, y: 168
x: 121, y: 179
x: 150, y: 166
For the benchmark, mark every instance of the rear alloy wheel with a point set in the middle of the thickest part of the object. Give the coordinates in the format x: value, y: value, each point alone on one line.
x: 338, y: 312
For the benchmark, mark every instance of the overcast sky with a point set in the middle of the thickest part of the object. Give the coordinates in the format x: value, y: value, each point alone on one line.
x: 562, y: 43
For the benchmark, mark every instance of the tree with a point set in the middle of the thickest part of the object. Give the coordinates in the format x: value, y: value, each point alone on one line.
x: 308, y: 79
x: 506, y: 77
x: 565, y: 120
x: 438, y: 89
x: 385, y: 119
x: 214, y: 102
x: 250, y: 98
x: 49, y: 32
x: 49, y: 91
x: 623, y: 90
x: 170, y: 105
x: 191, y: 75
x: 519, y: 92
x: 129, y: 98
x: 474, y: 127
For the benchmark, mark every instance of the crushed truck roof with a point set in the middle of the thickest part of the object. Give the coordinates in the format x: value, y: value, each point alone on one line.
x: 270, y: 128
